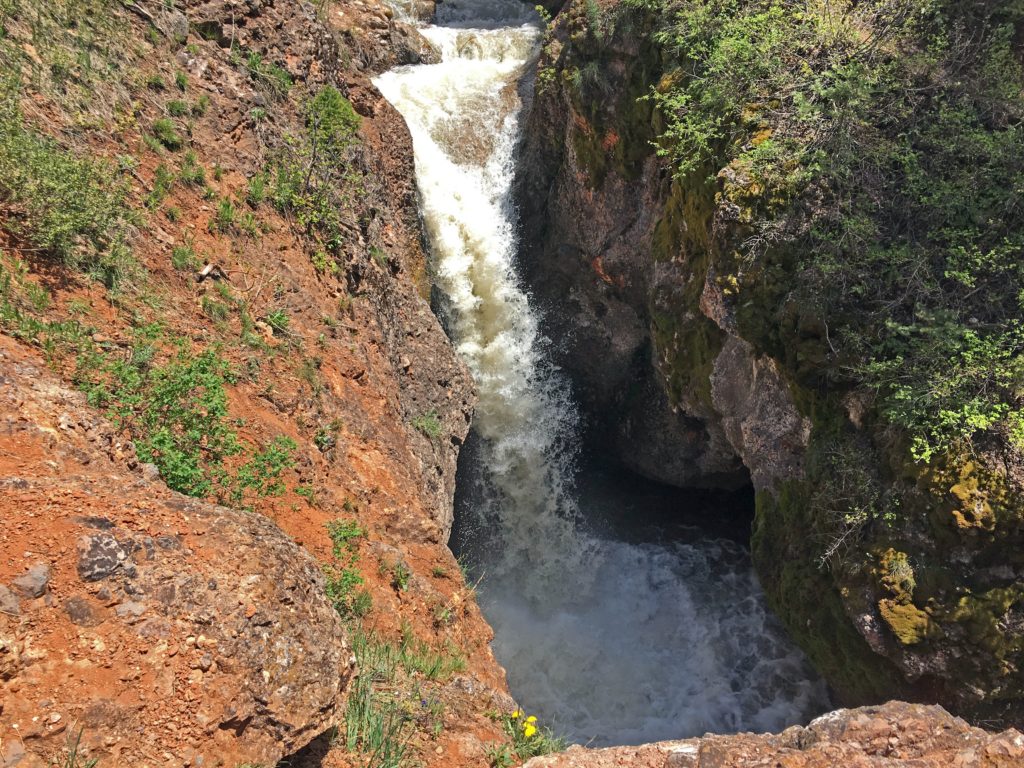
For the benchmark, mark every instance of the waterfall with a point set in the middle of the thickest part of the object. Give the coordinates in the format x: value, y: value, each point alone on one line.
x: 606, y: 640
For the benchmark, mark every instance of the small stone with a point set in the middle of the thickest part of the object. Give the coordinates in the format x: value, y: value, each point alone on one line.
x: 33, y: 583
x: 54, y: 717
x: 130, y: 610
x: 8, y: 602
x: 150, y: 472
x: 81, y: 612
x: 99, y: 556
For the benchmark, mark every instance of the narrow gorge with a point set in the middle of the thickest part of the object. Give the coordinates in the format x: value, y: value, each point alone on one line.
x: 608, y: 636
x: 428, y: 384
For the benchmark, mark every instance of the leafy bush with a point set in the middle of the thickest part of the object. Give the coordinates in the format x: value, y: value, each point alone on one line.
x: 313, y: 178
x: 176, y: 412
x: 343, y: 579
x: 345, y: 535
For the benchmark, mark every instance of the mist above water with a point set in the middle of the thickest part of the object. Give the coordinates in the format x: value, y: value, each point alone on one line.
x: 608, y: 637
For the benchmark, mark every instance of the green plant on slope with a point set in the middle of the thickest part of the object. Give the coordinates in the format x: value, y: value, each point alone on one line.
x: 344, y: 582
x: 73, y: 757
x: 313, y: 179
x: 72, y: 207
x: 177, y: 411
x: 429, y: 424
x: 167, y: 134
x: 529, y: 739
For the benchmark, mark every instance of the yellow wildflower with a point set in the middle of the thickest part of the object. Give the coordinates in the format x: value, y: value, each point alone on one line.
x: 531, y: 719
x: 529, y: 729
x: 517, y: 714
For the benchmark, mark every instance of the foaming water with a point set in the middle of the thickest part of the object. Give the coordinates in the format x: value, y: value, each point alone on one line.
x: 606, y: 640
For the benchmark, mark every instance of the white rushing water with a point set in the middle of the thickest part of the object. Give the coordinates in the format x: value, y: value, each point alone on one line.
x: 605, y: 640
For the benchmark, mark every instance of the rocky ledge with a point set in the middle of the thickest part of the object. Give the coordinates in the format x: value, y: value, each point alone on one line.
x: 166, y: 629
x: 896, y: 735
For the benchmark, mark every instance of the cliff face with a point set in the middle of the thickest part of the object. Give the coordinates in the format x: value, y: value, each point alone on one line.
x: 703, y: 356
x: 230, y: 421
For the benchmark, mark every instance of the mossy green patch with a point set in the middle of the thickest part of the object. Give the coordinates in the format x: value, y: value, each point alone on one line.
x: 909, y: 623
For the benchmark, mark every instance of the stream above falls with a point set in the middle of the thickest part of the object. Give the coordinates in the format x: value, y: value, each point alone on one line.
x: 618, y: 617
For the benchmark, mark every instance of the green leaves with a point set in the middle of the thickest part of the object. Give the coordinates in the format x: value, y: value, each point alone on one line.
x: 177, y: 413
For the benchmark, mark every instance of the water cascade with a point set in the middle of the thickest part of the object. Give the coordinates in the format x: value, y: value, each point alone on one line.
x: 608, y: 638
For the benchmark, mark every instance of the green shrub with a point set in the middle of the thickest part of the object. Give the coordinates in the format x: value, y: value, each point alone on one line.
x: 176, y: 412
x: 215, y: 310
x: 165, y: 132
x: 261, y: 475
x: 226, y: 217
x: 312, y: 177
x: 191, y: 171
x: 177, y: 108
x: 278, y: 321
x: 183, y: 257
x: 326, y: 437
x: 400, y: 576
x: 163, y: 181
x: 256, y: 192
x: 429, y: 424
x: 344, y: 583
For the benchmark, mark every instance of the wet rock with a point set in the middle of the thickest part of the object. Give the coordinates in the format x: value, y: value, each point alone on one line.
x: 411, y: 47
x: 33, y: 583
